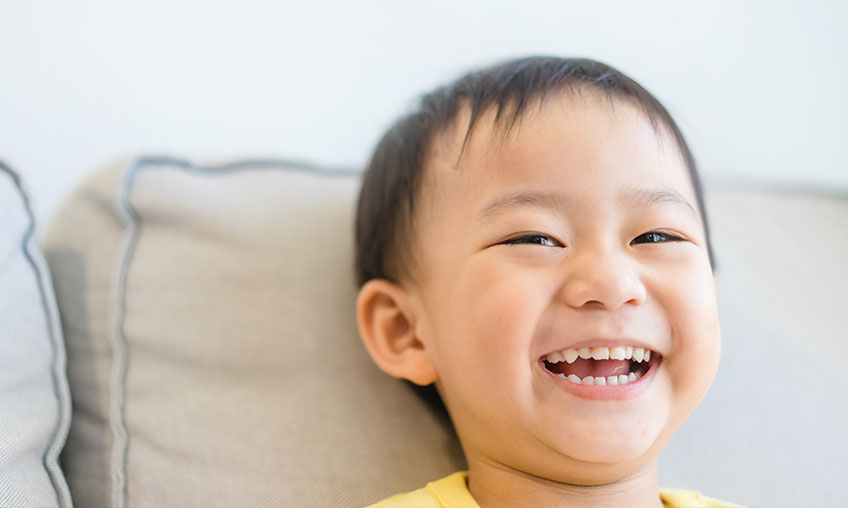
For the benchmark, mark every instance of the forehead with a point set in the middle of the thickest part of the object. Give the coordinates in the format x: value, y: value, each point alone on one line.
x: 585, y: 147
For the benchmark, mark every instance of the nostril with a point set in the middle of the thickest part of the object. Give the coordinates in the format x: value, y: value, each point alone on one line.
x: 605, y: 295
x: 602, y: 277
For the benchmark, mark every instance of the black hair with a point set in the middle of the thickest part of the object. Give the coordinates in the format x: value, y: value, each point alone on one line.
x: 391, y: 183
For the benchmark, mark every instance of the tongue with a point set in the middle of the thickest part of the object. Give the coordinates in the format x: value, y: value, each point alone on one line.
x: 583, y: 367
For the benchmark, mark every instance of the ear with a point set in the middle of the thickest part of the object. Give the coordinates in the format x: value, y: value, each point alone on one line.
x: 387, y: 326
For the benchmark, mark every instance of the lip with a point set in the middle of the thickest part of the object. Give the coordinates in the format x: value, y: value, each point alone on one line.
x: 607, y: 393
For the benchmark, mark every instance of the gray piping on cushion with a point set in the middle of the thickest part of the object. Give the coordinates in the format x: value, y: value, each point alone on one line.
x: 118, y: 342
x: 50, y: 457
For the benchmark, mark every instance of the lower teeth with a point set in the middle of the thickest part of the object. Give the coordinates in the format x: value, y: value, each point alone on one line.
x: 603, y: 381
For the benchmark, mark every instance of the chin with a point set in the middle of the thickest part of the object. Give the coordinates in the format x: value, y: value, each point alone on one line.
x: 609, y: 470
x: 616, y: 441
x: 610, y: 453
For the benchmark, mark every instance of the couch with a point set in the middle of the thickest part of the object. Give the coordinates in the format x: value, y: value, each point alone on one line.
x: 191, y: 341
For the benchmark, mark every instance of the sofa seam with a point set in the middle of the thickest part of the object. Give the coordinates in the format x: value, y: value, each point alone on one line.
x: 118, y: 342
x: 50, y: 456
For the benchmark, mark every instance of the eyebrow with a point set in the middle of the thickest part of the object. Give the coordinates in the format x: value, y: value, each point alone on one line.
x: 548, y: 200
x: 534, y: 199
x: 648, y: 198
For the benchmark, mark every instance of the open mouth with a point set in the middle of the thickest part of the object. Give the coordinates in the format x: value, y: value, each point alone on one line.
x: 602, y: 366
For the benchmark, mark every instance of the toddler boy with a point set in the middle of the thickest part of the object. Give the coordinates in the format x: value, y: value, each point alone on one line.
x: 532, y: 240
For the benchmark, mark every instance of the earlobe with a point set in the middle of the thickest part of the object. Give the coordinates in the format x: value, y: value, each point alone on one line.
x: 387, y: 327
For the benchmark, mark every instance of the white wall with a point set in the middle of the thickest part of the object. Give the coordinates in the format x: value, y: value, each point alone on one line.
x: 758, y: 86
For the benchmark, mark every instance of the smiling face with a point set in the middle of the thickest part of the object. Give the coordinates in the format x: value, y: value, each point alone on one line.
x: 578, y: 230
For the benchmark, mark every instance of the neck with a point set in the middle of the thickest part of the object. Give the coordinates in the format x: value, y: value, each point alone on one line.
x: 497, y: 486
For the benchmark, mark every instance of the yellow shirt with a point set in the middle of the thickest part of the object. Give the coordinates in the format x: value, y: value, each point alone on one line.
x: 452, y: 492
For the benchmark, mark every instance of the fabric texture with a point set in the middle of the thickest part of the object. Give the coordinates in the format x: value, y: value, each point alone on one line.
x: 34, y: 397
x: 214, y: 354
x: 452, y: 492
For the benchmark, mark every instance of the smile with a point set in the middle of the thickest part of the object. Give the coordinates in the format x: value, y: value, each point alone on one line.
x: 601, y: 366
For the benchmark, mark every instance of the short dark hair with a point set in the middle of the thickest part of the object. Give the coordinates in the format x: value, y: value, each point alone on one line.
x: 391, y: 183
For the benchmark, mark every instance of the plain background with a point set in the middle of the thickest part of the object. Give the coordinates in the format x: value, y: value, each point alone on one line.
x: 759, y: 87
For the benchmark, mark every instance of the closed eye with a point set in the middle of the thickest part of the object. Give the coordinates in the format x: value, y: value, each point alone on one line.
x: 656, y: 237
x: 534, y: 239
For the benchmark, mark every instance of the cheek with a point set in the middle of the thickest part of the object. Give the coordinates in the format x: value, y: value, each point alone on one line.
x: 696, y: 337
x: 493, y: 312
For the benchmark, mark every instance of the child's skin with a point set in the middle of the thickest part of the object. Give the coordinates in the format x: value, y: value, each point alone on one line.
x: 480, y: 308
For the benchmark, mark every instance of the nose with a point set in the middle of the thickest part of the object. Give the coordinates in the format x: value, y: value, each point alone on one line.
x: 603, y: 280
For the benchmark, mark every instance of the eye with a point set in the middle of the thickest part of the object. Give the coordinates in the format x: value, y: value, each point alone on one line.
x: 655, y: 237
x: 534, y: 239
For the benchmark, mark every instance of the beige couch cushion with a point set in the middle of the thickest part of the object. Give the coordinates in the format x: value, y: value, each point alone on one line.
x: 214, y: 359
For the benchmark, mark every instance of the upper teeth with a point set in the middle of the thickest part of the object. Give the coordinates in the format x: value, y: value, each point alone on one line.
x: 636, y: 354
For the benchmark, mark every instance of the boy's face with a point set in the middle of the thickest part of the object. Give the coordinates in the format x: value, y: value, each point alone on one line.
x: 537, y: 244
